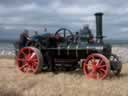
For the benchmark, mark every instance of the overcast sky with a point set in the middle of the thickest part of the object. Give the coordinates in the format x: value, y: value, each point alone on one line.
x: 54, y: 14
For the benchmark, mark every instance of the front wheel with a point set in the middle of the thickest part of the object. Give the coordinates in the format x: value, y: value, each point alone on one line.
x: 96, y: 66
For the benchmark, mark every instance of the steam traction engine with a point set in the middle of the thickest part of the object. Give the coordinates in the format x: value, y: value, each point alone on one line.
x: 54, y: 52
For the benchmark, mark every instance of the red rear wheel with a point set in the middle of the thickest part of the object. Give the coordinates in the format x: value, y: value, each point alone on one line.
x: 29, y: 60
x: 96, y: 66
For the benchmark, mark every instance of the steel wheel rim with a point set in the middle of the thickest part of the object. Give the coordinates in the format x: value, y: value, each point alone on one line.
x: 96, y: 66
x: 27, y: 60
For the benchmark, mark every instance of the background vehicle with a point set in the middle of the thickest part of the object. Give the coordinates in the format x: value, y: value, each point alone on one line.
x: 66, y: 51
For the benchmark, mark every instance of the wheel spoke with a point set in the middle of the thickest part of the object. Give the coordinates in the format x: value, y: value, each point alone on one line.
x: 33, y: 68
x: 23, y: 66
x: 101, y: 66
x: 102, y: 70
x: 92, y: 61
x: 23, y: 53
x: 93, y: 58
x: 34, y: 65
x: 35, y: 62
x: 21, y: 59
x: 100, y: 61
x: 99, y: 74
x: 32, y: 55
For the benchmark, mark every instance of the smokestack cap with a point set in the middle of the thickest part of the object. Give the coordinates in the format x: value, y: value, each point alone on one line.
x: 99, y: 13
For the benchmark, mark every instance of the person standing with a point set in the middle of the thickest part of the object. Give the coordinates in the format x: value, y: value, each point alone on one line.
x: 77, y: 38
x: 86, y: 32
x: 36, y: 33
x: 24, y: 37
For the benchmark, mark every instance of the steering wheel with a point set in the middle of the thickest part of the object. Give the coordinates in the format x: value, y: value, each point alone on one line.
x: 64, y: 33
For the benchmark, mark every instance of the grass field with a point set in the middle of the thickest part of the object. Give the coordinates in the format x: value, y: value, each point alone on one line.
x: 15, y: 83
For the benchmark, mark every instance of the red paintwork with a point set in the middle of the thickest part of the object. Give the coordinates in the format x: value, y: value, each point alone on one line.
x: 96, y: 66
x: 27, y: 60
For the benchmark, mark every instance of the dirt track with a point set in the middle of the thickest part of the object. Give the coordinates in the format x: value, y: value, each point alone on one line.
x: 14, y: 83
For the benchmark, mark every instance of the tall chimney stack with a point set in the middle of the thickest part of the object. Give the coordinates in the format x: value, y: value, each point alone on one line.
x: 99, y: 32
